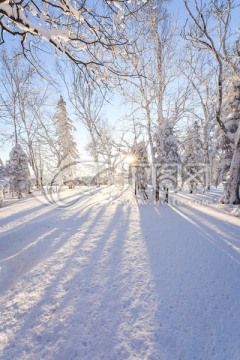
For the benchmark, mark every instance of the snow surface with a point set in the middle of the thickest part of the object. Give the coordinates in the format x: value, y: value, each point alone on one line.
x: 108, y: 278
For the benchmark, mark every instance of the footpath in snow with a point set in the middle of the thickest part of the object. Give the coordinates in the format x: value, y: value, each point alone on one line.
x: 108, y: 278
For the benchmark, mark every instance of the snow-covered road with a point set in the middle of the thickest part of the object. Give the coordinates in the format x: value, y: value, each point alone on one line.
x: 106, y: 278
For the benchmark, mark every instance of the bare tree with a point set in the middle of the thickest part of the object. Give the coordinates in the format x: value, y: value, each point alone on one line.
x: 201, y: 77
x: 103, y: 146
x: 210, y: 30
x: 155, y: 59
x: 87, y: 101
x: 23, y: 108
x: 215, y: 39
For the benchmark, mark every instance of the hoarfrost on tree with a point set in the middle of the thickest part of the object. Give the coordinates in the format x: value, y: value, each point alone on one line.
x: 193, y: 167
x: 67, y: 149
x: 167, y: 157
x: 18, y: 170
x: 228, y: 145
x: 85, y: 32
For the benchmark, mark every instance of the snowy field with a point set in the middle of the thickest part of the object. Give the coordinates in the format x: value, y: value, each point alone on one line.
x: 105, y: 277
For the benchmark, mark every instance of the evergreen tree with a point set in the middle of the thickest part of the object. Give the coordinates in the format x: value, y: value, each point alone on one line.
x: 3, y: 172
x: 3, y: 181
x: 167, y: 157
x: 18, y: 171
x: 228, y: 147
x: 193, y: 158
x: 67, y: 150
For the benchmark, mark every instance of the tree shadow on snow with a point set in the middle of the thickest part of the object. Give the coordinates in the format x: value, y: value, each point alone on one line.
x: 197, y: 281
x: 81, y: 295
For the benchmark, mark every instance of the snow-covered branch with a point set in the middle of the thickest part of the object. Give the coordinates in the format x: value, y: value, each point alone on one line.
x: 87, y: 33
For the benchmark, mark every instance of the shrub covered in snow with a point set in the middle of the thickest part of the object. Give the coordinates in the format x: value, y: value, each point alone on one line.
x: 18, y: 170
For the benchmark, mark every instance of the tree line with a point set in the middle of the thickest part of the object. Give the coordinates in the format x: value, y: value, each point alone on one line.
x: 181, y: 82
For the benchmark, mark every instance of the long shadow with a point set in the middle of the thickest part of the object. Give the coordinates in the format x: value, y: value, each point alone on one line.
x: 45, y: 204
x: 51, y: 211
x: 43, y: 242
x: 87, y: 299
x: 224, y: 224
x: 22, y: 213
x: 198, y: 288
x: 113, y: 322
x: 101, y: 321
x: 200, y: 196
x: 101, y: 305
x: 62, y: 241
x: 36, y: 227
x: 226, y: 240
x: 94, y: 278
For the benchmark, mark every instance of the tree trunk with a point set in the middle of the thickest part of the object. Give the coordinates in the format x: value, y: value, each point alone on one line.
x: 207, y: 176
x: 207, y: 157
x: 152, y: 150
x: 231, y: 195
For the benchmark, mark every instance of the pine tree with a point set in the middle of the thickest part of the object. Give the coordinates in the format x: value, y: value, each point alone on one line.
x: 67, y: 149
x: 167, y: 156
x: 3, y: 181
x: 3, y: 173
x: 228, y: 146
x: 18, y: 171
x: 193, y: 158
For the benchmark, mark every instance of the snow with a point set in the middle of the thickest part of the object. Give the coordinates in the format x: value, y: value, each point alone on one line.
x: 103, y: 277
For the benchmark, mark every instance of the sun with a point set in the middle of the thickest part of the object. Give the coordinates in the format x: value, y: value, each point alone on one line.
x: 130, y: 159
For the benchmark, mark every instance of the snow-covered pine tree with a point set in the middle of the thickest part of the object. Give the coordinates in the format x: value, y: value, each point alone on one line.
x: 18, y: 171
x: 2, y: 181
x: 3, y: 174
x: 67, y: 150
x: 141, y: 164
x: 228, y: 146
x: 167, y: 157
x: 2, y: 170
x: 193, y: 169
